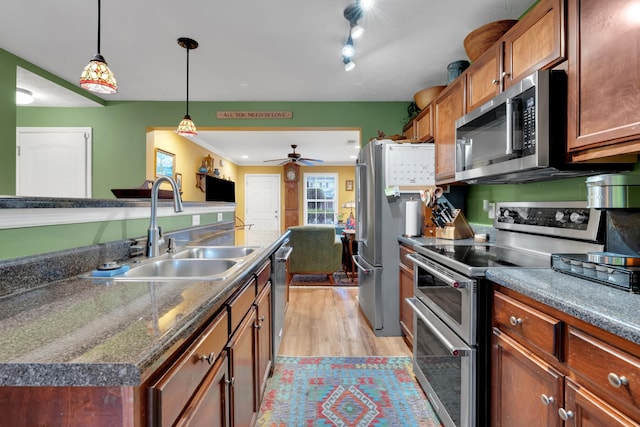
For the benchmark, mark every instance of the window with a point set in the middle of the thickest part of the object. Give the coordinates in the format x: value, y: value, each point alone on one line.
x: 320, y: 198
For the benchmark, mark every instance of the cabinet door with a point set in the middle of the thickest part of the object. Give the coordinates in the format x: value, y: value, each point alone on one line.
x: 409, y: 130
x: 406, y: 313
x: 424, y: 124
x: 526, y: 391
x: 583, y: 408
x: 604, y: 71
x: 210, y: 404
x: 537, y: 42
x: 483, y: 77
x: 449, y: 106
x: 242, y: 352
x: 263, y: 326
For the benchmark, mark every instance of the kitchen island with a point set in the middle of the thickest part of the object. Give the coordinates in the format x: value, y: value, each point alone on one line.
x: 101, y: 338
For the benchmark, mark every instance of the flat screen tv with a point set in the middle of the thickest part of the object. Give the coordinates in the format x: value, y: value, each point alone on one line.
x: 219, y: 190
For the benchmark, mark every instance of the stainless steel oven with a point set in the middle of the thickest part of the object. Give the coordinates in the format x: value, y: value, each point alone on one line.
x: 452, y: 299
x: 445, y: 367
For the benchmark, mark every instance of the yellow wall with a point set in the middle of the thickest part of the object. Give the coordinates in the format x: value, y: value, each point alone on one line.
x: 188, y: 160
x: 344, y: 173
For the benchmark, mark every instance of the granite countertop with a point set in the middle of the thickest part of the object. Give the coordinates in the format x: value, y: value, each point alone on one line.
x: 610, y: 309
x: 80, y: 332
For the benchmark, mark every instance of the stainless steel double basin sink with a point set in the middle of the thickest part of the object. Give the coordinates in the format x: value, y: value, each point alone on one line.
x: 191, y: 263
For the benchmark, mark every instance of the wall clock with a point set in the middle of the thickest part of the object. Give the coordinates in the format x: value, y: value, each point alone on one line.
x: 291, y: 173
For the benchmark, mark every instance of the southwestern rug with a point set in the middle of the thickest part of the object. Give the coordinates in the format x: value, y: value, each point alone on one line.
x: 344, y: 392
x: 340, y: 278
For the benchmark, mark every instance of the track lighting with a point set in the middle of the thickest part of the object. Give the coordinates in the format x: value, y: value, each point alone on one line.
x: 347, y: 50
x: 353, y: 13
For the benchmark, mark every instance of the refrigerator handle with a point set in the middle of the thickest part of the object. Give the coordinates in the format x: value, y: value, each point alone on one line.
x: 365, y: 270
x: 360, y: 172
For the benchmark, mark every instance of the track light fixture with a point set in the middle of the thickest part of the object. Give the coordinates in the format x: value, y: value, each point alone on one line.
x: 353, y: 13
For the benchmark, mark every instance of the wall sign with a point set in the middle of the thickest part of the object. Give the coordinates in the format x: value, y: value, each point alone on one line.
x: 254, y: 114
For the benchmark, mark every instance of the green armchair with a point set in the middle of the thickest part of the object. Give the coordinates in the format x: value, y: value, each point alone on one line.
x: 316, y: 250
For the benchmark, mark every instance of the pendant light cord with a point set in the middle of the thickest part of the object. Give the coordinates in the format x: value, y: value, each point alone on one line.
x: 99, y: 27
x: 187, y: 80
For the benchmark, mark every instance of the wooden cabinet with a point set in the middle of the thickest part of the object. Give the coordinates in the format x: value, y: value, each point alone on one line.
x: 520, y: 380
x: 424, y: 124
x: 448, y: 107
x: 603, y: 76
x: 408, y: 131
x: 536, y: 42
x: 242, y: 355
x: 263, y: 325
x: 483, y: 77
x: 549, y: 367
x: 406, y: 291
x: 175, y: 388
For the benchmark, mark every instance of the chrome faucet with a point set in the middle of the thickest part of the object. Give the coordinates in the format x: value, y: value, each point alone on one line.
x: 154, y: 234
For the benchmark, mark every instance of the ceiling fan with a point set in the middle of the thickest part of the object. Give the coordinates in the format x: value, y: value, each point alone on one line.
x: 295, y: 158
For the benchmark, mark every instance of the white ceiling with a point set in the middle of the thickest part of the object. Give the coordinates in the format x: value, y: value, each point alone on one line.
x: 281, y: 50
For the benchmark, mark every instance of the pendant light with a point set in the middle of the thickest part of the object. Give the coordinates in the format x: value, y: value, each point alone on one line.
x: 186, y: 126
x: 96, y: 76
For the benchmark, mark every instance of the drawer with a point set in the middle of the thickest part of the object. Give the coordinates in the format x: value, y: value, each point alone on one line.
x: 528, y: 325
x: 606, y: 366
x: 264, y: 275
x: 404, y: 250
x: 240, y: 304
x: 174, y: 389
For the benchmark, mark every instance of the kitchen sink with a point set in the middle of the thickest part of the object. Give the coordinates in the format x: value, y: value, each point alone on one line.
x: 215, y: 252
x: 184, y: 268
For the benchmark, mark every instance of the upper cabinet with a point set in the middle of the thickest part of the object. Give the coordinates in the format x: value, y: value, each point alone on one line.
x: 603, y: 76
x: 449, y: 107
x: 534, y: 43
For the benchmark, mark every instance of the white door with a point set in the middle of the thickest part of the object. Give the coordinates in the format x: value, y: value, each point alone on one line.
x: 53, y: 162
x: 262, y: 201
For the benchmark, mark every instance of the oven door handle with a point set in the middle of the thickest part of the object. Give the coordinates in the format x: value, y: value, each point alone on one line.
x: 455, y: 351
x: 449, y: 280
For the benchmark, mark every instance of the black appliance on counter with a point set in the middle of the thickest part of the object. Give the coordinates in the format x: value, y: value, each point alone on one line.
x: 452, y: 302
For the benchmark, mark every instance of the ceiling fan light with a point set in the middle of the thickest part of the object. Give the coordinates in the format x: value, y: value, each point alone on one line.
x: 97, y: 77
x: 24, y: 96
x: 357, y: 31
x: 348, y: 66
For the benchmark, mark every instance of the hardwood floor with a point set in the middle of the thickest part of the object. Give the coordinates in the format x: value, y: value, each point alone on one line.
x: 328, y: 322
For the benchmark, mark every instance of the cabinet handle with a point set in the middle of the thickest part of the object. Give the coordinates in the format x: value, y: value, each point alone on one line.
x: 495, y: 81
x: 231, y: 381
x: 504, y: 75
x: 515, y: 321
x: 617, y: 381
x: 565, y: 415
x: 547, y: 400
x: 257, y: 325
x: 210, y: 358
x: 261, y: 319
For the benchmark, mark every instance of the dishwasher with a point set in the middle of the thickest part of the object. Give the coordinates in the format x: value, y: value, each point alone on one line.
x: 278, y: 294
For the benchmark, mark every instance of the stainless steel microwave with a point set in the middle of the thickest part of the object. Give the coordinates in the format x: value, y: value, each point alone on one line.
x: 520, y: 135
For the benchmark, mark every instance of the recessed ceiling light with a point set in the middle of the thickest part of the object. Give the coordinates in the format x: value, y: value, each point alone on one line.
x: 244, y: 156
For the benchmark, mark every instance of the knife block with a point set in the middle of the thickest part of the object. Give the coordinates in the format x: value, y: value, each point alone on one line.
x: 458, y: 228
x: 428, y: 227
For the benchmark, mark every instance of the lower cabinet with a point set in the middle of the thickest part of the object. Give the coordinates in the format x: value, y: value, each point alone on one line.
x: 406, y: 291
x: 592, y: 378
x: 242, y: 351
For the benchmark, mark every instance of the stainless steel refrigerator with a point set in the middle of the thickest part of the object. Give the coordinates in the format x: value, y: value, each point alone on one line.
x: 387, y: 175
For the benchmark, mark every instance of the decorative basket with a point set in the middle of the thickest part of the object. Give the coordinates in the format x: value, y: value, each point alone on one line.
x: 480, y: 40
x: 425, y: 96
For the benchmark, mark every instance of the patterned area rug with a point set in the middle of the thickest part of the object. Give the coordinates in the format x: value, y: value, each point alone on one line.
x: 345, y: 392
x: 340, y: 278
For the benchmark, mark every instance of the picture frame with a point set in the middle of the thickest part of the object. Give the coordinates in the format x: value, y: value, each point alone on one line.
x: 164, y: 163
x: 178, y: 179
x: 348, y: 185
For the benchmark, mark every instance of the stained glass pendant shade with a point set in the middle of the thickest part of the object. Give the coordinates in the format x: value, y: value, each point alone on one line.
x: 186, y: 126
x: 96, y: 76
